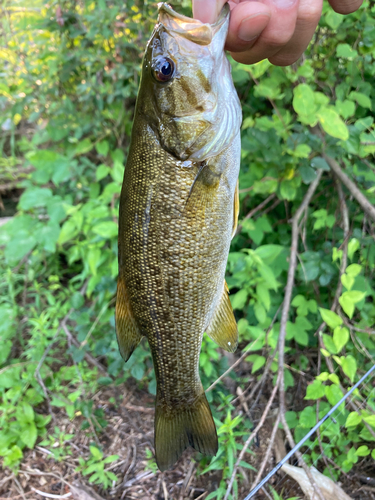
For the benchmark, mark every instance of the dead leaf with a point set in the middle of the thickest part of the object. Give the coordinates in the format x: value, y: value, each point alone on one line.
x: 329, y: 489
x: 82, y: 492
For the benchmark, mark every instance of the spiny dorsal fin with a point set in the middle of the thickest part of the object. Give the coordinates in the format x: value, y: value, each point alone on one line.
x: 128, y: 335
x: 223, y: 327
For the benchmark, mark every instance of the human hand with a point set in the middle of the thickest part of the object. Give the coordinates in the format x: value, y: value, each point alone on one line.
x: 278, y: 30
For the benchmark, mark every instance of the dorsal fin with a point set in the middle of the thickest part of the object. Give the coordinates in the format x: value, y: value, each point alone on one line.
x: 236, y: 210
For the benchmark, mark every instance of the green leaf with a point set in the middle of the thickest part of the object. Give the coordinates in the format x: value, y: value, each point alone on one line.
x: 347, y: 281
x: 353, y: 419
x: 353, y: 246
x: 288, y: 190
x: 106, y: 230
x: 353, y: 269
x: 263, y: 295
x: 345, y: 108
x: 83, y: 147
x: 340, y: 337
x: 96, y: 453
x: 102, y: 171
x: 93, y: 258
x: 102, y: 147
x: 35, y: 197
x: 363, y: 451
x: 333, y: 19
x: 332, y: 123
x: 29, y: 435
x: 307, y: 418
x: 258, y: 363
x: 333, y: 394
x: 370, y: 419
x: 349, y: 366
x: 362, y: 99
x: 319, y: 162
x: 345, y: 51
x: 260, y: 312
x: 329, y: 344
x: 316, y: 390
x: 349, y: 299
x: 138, y: 371
x: 239, y: 299
x: 268, y: 253
x: 303, y: 100
x: 330, y: 318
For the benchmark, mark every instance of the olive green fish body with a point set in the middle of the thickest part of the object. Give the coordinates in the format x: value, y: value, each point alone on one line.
x: 177, y: 215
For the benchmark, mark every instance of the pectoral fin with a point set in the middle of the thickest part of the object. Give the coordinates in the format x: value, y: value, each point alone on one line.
x: 223, y: 327
x: 236, y: 210
x: 128, y: 335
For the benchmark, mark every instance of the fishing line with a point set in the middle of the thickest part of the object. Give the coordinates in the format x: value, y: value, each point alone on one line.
x: 333, y: 421
x: 309, y: 434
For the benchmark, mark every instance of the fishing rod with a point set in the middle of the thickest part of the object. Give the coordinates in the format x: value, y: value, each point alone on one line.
x: 303, y: 440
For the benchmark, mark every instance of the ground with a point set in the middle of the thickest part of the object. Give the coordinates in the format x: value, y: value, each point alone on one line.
x: 130, y: 436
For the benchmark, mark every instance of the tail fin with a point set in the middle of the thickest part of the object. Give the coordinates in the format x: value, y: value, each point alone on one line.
x: 176, y: 430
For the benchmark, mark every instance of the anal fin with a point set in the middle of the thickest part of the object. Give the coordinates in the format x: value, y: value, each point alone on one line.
x: 223, y: 327
x: 128, y: 335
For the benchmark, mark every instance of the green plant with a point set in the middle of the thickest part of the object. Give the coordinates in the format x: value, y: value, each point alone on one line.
x: 94, y: 467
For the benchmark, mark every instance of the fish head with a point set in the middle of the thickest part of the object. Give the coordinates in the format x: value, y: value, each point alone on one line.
x: 187, y: 94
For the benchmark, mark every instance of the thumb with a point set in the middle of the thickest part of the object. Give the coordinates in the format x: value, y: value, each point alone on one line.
x: 207, y: 11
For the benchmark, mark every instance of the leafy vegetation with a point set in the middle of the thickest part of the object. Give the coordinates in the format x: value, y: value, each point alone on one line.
x: 70, y: 72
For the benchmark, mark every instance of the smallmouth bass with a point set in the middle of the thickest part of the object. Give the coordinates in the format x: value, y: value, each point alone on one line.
x: 178, y: 212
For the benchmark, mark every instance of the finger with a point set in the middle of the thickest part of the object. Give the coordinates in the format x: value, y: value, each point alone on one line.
x: 309, y: 12
x: 207, y: 11
x: 247, y: 21
x: 277, y: 33
x: 345, y: 6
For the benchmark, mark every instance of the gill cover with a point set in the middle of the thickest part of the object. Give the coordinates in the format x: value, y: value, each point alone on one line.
x: 196, y: 112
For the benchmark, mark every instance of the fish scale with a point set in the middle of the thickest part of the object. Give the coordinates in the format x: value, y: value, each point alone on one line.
x: 177, y: 217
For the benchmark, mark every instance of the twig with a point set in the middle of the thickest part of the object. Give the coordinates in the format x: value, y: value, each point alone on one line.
x: 255, y: 210
x: 354, y: 190
x: 51, y: 495
x: 284, y: 318
x: 268, y: 452
x: 251, y: 437
x: 88, y: 356
x: 246, y: 353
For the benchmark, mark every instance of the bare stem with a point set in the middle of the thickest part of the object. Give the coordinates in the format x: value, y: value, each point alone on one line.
x: 284, y: 318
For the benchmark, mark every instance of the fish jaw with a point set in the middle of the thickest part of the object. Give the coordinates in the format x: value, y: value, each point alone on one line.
x: 197, y: 113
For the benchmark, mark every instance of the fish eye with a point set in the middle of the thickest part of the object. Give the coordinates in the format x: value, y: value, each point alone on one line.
x: 163, y: 69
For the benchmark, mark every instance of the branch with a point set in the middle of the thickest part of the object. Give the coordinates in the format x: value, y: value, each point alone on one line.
x: 255, y: 210
x: 357, y: 194
x: 268, y: 452
x: 251, y: 437
x: 284, y: 318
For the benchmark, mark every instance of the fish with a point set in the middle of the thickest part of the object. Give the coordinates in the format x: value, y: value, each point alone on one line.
x: 178, y: 213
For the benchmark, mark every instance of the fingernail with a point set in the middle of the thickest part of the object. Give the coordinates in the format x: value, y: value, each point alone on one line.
x: 205, y: 10
x: 247, y: 31
x: 284, y: 4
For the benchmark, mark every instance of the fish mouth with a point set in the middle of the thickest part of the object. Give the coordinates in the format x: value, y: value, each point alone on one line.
x: 192, y: 29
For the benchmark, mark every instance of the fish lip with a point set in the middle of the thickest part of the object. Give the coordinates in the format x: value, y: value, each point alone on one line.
x: 164, y: 7
x: 192, y: 29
